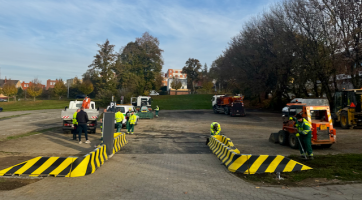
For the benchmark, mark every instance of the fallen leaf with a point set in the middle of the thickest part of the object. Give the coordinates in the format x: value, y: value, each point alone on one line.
x: 185, y: 192
x: 257, y: 187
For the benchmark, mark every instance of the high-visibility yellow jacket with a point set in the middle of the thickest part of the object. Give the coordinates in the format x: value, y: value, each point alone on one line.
x: 213, y: 131
x: 132, y: 119
x: 119, y: 117
x: 303, y: 127
x: 157, y: 108
x: 75, y: 119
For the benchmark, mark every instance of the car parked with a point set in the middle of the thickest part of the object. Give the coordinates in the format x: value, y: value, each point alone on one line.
x: 3, y: 100
x: 154, y: 93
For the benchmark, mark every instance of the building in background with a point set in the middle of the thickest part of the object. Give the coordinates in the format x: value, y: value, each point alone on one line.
x: 5, y: 81
x: 170, y: 76
x: 50, y: 83
x: 26, y: 85
x: 73, y: 81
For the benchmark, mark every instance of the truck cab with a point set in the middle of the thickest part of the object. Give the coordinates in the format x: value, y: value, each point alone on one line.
x: 141, y: 101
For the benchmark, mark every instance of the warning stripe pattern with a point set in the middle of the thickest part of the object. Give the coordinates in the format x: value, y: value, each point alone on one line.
x: 253, y: 164
x: 60, y: 166
x: 119, y: 141
x: 65, y: 166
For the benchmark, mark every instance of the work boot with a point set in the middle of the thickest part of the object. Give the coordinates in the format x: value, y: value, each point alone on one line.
x: 80, y: 142
x: 131, y: 133
x: 87, y: 142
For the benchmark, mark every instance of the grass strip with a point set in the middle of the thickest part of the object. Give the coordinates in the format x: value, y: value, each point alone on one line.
x: 182, y: 102
x: 12, y: 116
x: 341, y: 167
x: 31, y: 133
x: 34, y: 105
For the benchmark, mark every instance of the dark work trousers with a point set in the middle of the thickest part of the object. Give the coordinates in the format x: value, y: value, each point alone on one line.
x: 75, y: 131
x: 80, y: 128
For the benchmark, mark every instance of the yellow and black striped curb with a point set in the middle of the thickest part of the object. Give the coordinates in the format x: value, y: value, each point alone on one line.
x: 119, y: 141
x: 65, y: 166
x: 251, y: 164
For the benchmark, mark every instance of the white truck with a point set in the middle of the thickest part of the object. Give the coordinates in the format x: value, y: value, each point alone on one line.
x: 141, y: 101
x: 67, y: 115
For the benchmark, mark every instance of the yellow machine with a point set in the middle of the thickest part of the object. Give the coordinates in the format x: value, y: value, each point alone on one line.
x: 347, y: 108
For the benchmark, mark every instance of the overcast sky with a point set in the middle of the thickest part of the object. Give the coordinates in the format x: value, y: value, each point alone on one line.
x: 58, y: 39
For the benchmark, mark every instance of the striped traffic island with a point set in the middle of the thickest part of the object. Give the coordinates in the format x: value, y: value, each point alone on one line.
x: 66, y: 166
x: 230, y: 156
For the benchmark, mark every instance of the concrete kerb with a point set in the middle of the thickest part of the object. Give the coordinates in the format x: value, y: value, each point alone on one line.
x: 65, y: 166
x: 224, y: 149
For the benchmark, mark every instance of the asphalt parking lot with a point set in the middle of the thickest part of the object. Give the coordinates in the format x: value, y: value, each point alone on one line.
x: 165, y: 154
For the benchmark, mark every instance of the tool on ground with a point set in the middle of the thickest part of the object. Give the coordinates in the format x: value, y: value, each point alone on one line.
x: 305, y: 156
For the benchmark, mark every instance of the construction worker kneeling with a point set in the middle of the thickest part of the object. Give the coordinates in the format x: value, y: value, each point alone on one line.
x: 304, y: 135
x: 132, y: 121
x: 215, y: 129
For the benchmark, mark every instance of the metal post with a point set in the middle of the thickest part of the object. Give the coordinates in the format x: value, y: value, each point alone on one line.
x: 278, y: 176
x: 108, y: 131
x: 68, y: 89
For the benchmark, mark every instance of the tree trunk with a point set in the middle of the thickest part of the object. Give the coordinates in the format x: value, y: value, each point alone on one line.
x: 8, y: 99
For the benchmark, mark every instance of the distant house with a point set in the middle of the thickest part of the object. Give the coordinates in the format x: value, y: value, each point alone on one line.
x: 50, y: 83
x: 26, y: 85
x: 7, y: 81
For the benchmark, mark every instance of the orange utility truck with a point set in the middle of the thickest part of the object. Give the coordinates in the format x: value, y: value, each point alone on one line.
x: 323, y: 133
x: 229, y: 105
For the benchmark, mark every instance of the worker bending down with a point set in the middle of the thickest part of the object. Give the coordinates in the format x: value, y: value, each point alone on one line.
x: 304, y: 133
x: 215, y: 129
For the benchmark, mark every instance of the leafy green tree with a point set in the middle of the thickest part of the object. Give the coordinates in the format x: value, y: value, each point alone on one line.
x: 20, y: 93
x: 101, y: 71
x: 192, y: 69
x: 139, y: 65
x: 9, y: 90
x: 176, y: 83
x: 35, y: 89
x: 60, y: 89
x: 86, y: 87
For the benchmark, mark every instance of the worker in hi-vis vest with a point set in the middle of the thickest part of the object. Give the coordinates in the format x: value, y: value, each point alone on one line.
x: 75, y: 124
x: 157, y: 109
x: 215, y: 128
x: 305, y: 135
x: 119, y: 119
x: 132, y: 121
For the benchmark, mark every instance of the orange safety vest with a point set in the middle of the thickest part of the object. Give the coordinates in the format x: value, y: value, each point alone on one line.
x: 86, y: 103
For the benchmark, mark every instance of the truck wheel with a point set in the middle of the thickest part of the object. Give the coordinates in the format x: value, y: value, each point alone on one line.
x: 226, y: 111
x: 283, y: 137
x: 293, y: 141
x: 326, y: 145
x: 231, y: 114
x: 215, y: 110
x: 344, y: 120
